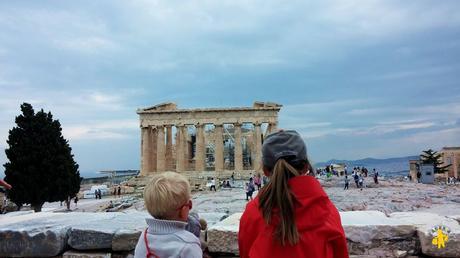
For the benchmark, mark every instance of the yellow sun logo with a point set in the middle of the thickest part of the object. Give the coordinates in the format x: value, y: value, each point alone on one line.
x: 440, y: 236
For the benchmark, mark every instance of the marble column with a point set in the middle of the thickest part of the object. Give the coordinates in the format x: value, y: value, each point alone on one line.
x: 180, y: 149
x: 219, y: 150
x: 258, y: 148
x: 200, y: 149
x: 153, y: 149
x: 185, y: 147
x: 238, y: 148
x: 161, y: 149
x: 273, y: 127
x: 169, y: 154
x: 145, y: 150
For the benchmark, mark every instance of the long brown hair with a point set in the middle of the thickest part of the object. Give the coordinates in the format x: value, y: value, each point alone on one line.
x: 277, y: 195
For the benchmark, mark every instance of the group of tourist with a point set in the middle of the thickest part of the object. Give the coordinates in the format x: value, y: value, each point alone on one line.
x: 249, y: 187
x: 117, y: 191
x: 98, y: 194
x: 290, y: 217
x: 452, y: 180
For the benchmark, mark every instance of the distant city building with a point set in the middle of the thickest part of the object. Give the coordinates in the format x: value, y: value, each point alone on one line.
x: 112, y: 177
x: 451, y: 156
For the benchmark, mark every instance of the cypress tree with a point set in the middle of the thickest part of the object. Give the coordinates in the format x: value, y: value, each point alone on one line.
x: 40, y: 165
x: 433, y: 157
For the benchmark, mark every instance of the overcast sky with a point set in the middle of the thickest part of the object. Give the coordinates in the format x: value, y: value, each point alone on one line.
x: 356, y: 78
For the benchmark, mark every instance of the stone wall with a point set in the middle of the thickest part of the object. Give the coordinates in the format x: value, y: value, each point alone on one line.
x: 369, y: 234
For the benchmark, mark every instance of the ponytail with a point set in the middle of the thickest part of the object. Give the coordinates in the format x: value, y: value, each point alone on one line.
x: 276, y: 197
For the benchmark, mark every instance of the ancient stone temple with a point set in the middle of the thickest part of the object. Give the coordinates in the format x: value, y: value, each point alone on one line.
x: 205, y: 140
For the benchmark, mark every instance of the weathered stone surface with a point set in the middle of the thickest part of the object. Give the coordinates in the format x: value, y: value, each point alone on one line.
x: 223, y: 236
x: 31, y: 237
x: 369, y: 234
x: 49, y: 234
x: 32, y: 244
x: 74, y: 254
x: 372, y: 233
x: 88, y: 239
x: 99, y: 234
x: 425, y: 222
x: 125, y: 240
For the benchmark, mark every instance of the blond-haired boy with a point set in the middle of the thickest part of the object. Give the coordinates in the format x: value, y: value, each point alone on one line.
x: 167, y: 199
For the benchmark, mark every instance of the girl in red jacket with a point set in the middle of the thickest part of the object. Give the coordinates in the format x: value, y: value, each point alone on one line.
x: 292, y: 215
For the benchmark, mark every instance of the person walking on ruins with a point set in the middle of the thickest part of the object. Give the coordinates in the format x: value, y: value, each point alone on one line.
x: 291, y: 216
x: 213, y: 185
x: 376, y: 176
x: 250, y: 188
x: 119, y: 191
x: 361, y: 182
x: 356, y: 178
x: 258, y: 181
x: 346, y: 183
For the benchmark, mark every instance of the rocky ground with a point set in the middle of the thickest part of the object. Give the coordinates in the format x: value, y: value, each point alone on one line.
x: 391, y: 219
x: 390, y: 195
x: 395, y: 195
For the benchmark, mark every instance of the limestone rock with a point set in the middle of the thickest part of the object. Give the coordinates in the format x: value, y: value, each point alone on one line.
x: 42, y: 242
x: 49, y: 234
x: 89, y: 239
x: 41, y: 236
x: 223, y: 236
x: 125, y: 240
x: 425, y: 222
x: 74, y: 254
x: 372, y: 233
x: 99, y: 234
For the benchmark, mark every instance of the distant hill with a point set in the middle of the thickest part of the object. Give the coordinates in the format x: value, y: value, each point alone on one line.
x: 390, y: 167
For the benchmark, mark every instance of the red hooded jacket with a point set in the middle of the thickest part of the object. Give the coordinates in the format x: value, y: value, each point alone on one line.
x: 320, y: 231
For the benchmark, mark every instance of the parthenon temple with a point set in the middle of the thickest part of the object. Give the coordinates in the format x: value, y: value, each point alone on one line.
x: 205, y: 140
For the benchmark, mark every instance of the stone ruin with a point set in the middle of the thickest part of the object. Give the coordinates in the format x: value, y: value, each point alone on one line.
x: 205, y: 142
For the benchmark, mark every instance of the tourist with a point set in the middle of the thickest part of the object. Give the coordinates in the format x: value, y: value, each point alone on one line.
x: 250, y: 188
x: 346, y: 182
x: 75, y: 200
x: 361, y: 182
x: 67, y: 203
x: 356, y: 178
x: 376, y: 176
x: 292, y: 215
x: 258, y: 181
x: 213, y: 185
x: 193, y: 224
x: 265, y: 179
x: 96, y: 194
x: 233, y: 177
x: 419, y: 176
x: 119, y: 191
x: 167, y: 199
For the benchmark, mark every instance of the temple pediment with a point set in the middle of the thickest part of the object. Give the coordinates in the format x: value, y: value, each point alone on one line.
x: 162, y: 107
